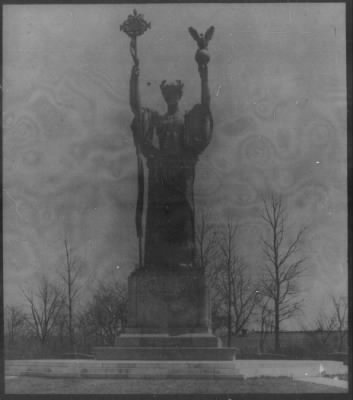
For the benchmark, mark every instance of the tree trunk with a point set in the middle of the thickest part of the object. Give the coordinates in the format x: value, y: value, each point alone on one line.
x: 70, y: 327
x: 341, y: 339
x: 262, y: 337
x: 277, y: 340
x: 229, y: 342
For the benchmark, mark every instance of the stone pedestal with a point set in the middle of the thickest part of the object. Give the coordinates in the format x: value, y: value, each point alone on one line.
x: 167, y: 301
x: 167, y: 320
x: 164, y: 347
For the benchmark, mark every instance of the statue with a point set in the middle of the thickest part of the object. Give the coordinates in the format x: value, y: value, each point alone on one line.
x: 170, y: 145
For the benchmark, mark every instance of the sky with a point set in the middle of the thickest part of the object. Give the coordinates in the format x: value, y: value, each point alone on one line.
x: 278, y: 98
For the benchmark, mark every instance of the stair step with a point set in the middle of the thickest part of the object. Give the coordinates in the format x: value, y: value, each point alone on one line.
x: 164, y: 353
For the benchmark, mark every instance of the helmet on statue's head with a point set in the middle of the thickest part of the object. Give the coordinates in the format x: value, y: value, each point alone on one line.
x: 172, y: 92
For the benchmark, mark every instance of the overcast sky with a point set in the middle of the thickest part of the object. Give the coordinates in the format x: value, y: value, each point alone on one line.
x: 278, y: 90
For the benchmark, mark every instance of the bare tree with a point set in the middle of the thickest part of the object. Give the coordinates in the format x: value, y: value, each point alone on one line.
x: 265, y: 319
x: 207, y: 251
x: 106, y: 315
x: 283, y: 267
x: 45, y: 303
x: 70, y: 275
x: 15, y: 320
x: 234, y: 285
x: 61, y: 328
x: 329, y: 324
x: 206, y: 239
x: 227, y: 246
x: 340, y: 305
x: 85, y: 328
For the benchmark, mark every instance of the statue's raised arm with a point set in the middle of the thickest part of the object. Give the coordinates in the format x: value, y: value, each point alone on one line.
x: 200, y: 120
x: 135, y: 102
x: 135, y: 26
x: 202, y: 58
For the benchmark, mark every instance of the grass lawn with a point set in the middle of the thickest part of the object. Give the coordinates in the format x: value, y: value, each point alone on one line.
x: 29, y: 385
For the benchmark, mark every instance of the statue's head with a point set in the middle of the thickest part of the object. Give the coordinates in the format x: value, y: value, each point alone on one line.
x: 172, y: 92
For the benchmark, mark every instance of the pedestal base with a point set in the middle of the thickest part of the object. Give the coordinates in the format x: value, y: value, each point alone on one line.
x: 167, y: 320
x: 167, y: 301
x: 165, y: 340
x: 165, y: 353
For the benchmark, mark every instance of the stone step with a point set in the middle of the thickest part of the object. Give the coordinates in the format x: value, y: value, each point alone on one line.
x: 122, y: 370
x: 292, y: 368
x: 139, y: 340
x: 164, y: 353
x: 171, y: 369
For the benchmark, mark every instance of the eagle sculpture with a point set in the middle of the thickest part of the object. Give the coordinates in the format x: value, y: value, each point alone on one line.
x: 202, y: 39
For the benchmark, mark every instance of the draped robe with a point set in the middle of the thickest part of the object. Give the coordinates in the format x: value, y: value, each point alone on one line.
x: 171, y: 146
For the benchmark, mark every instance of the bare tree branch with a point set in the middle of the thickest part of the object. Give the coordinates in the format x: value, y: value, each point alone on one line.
x: 233, y: 287
x: 282, y: 268
x: 45, y: 304
x: 70, y: 275
x: 106, y: 314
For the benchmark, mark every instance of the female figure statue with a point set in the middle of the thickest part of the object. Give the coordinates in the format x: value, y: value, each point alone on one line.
x: 171, y: 144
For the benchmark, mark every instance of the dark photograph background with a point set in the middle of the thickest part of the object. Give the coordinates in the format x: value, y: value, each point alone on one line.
x: 277, y: 78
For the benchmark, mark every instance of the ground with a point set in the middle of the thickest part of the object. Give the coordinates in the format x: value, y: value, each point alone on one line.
x: 29, y: 385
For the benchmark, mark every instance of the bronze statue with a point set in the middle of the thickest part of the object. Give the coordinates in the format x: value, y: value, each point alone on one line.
x: 170, y: 144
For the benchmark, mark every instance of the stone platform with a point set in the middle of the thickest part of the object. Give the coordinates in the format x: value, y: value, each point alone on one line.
x: 164, y: 353
x: 167, y: 319
x: 237, y: 369
x: 165, y: 340
x: 122, y: 369
x: 151, y: 347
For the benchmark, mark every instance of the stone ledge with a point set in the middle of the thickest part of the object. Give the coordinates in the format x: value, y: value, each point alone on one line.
x: 175, y: 369
x: 164, y: 353
x: 123, y: 370
x: 164, y: 340
x: 325, y: 381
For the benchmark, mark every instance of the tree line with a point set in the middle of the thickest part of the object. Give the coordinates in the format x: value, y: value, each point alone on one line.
x: 236, y: 296
x: 272, y: 295
x: 52, y: 308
